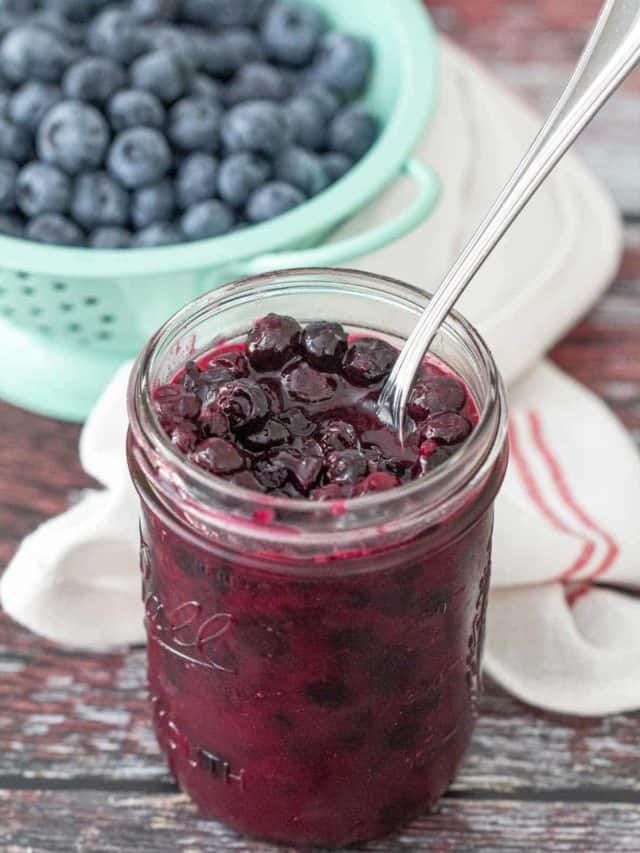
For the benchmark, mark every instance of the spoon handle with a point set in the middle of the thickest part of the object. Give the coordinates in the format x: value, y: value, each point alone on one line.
x: 610, y: 55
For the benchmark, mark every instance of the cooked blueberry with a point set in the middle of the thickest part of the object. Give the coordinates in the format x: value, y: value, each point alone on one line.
x: 327, y: 694
x: 139, y: 156
x: 243, y: 402
x: 273, y: 341
x: 258, y: 126
x: 263, y: 637
x: 30, y: 52
x: 173, y: 404
x: 307, y: 385
x: 246, y: 480
x: 447, y: 428
x: 94, y: 78
x: 218, y: 14
x: 155, y: 10
x: 233, y: 360
x: 291, y: 31
x: 218, y: 456
x: 324, y: 345
x: 271, y: 473
x: 194, y: 124
x: 30, y: 103
x: 335, y: 165
x: 54, y: 228
x: 346, y: 466
x: 391, y: 671
x: 337, y: 435
x: 8, y: 177
x: 135, y: 108
x: 196, y: 179
x: 436, y: 395
x: 303, y: 463
x: 110, y: 237
x: 99, y: 200
x: 379, y: 481
x: 74, y: 136
x: 353, y: 131
x: 203, y: 86
x: 257, y: 81
x: 272, y: 434
x: 369, y: 361
x: 11, y: 225
x: 42, y: 188
x: 342, y: 62
x: 164, y: 73
x: 213, y: 422
x: 154, y: 203
x: 184, y: 436
x: 240, y: 175
x: 228, y: 51
x: 158, y: 234
x: 297, y: 423
x: 273, y: 199
x: 307, y: 121
x: 15, y: 142
x: 116, y: 33
x: 302, y: 169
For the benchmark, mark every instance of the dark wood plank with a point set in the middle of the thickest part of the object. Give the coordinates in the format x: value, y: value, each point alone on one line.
x: 92, y: 822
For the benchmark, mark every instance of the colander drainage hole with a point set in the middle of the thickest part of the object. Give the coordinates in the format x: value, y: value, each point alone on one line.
x: 103, y: 336
x: 22, y: 275
x: 45, y: 330
x: 7, y: 310
x: 66, y: 306
x: 27, y: 290
x: 91, y: 300
x: 35, y: 311
x: 107, y: 318
x: 59, y: 285
x: 74, y: 327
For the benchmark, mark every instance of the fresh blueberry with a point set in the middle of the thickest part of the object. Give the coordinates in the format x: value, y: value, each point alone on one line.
x: 167, y: 37
x: 342, y: 62
x: 94, y: 78
x: 74, y: 136
x: 5, y: 100
x: 11, y: 225
x: 15, y: 141
x: 139, y: 156
x: 203, y: 86
x: 155, y: 10
x: 165, y: 73
x: 219, y: 14
x: 273, y: 341
x: 54, y: 228
x: 116, y: 33
x: 446, y: 428
x: 302, y: 169
x: 30, y: 103
x: 158, y: 234
x: 206, y: 219
x: 43, y: 188
x: 240, y: 175
x: 368, y: 361
x: 30, y: 52
x: 154, y: 203
x: 228, y: 51
x: 135, y: 108
x: 435, y: 395
x: 335, y: 165
x: 196, y: 179
x: 258, y: 126
x: 257, y: 81
x: 218, y: 456
x: 99, y: 200
x: 324, y: 98
x: 324, y: 344
x: 110, y: 237
x: 18, y: 8
x: 272, y: 199
x: 194, y: 124
x: 353, y: 131
x: 308, y: 122
x: 291, y: 31
x: 8, y: 176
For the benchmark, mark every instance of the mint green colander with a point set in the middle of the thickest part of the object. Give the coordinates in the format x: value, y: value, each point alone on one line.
x: 69, y: 317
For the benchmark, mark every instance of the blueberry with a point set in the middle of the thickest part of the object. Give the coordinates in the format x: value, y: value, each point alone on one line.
x: 196, y: 179
x: 271, y: 200
x: 167, y: 37
x: 110, y: 237
x: 135, y: 108
x: 30, y: 103
x: 99, y: 200
x: 8, y: 176
x: 76, y: 11
x: 324, y: 345
x: 297, y: 423
x: 206, y: 219
x: 291, y: 31
x: 213, y: 422
x: 5, y: 100
x: 307, y: 385
x: 11, y: 225
x: 155, y: 10
x: 327, y: 694
x: 218, y: 14
x: 379, y: 481
x: 338, y: 435
x: 173, y: 405
x: 54, y: 228
x: 43, y: 188
x: 272, y: 434
x: 30, y: 52
x: 74, y: 136
x: 307, y: 121
x: 203, y: 86
x: 218, y: 456
x: 342, y: 62
x: 335, y: 165
x: 273, y: 341
x: 447, y: 428
x: 158, y: 234
x: 302, y: 169
x: 228, y: 51
x: 244, y: 403
x: 323, y: 97
x: 368, y: 361
x: 15, y: 142
x: 353, y: 131
x: 257, y: 81
x: 436, y: 395
x: 194, y: 124
x: 346, y: 466
x: 94, y: 78
x: 303, y: 464
x: 239, y: 175
x: 165, y: 73
x: 116, y: 33
x: 258, y: 126
x: 154, y: 203
x: 139, y: 156
x: 19, y: 8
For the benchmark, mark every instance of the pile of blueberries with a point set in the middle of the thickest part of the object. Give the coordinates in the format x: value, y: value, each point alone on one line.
x: 154, y: 122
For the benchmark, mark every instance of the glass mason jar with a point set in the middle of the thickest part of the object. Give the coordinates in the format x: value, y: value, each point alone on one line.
x: 314, y: 667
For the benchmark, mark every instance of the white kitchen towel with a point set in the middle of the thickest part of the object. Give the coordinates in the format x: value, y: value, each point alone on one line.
x: 556, y: 636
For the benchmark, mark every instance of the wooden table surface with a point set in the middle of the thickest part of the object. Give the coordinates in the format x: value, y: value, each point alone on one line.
x: 79, y: 768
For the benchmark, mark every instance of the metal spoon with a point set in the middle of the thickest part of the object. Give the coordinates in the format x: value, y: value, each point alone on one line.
x: 611, y: 53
